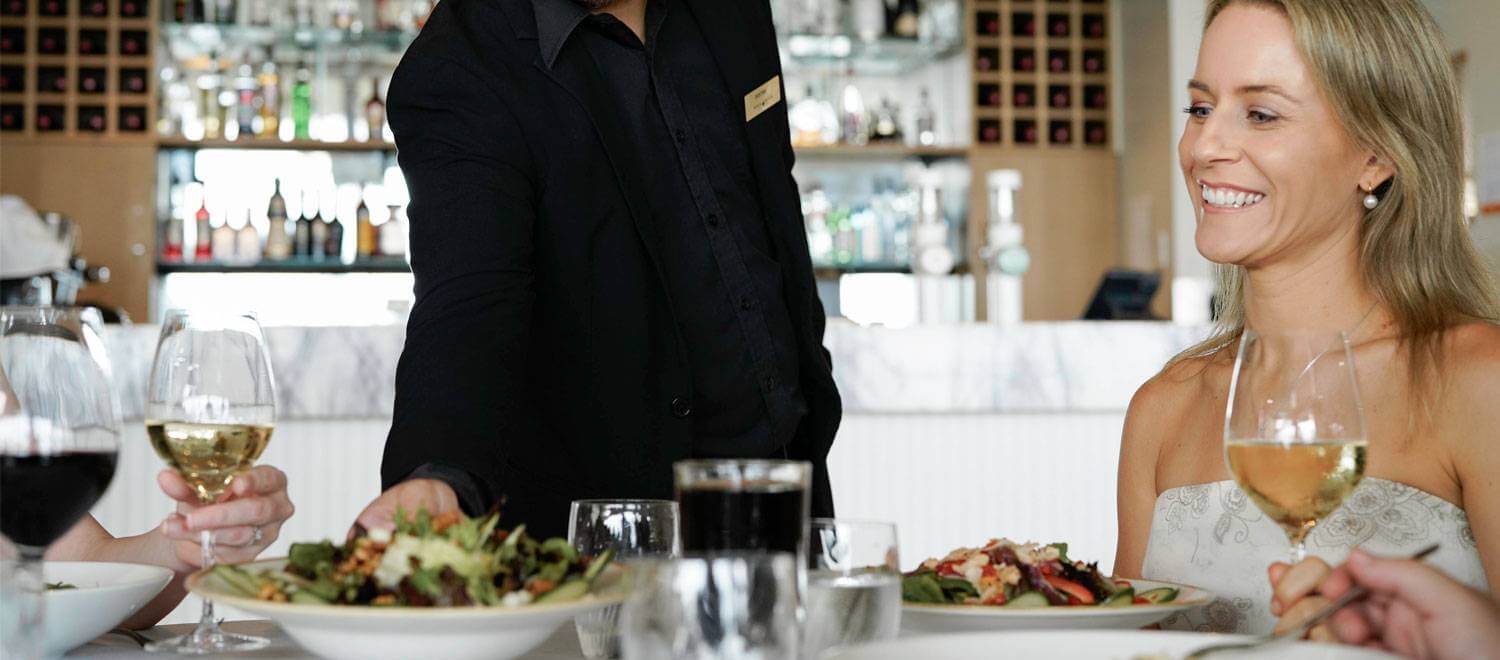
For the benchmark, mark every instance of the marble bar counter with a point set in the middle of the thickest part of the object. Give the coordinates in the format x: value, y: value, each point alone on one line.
x: 349, y: 372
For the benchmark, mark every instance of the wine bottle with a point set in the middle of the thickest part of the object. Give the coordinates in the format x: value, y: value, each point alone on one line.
x: 375, y: 112
x: 302, y: 237
x: 247, y: 248
x: 364, y: 232
x: 333, y: 243
x: 302, y: 102
x: 278, y: 246
x: 203, y: 250
x: 224, y: 242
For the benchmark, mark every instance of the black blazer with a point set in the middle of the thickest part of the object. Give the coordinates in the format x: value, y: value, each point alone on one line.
x: 542, y: 356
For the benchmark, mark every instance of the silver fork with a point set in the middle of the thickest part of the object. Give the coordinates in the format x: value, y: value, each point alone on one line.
x: 1296, y: 633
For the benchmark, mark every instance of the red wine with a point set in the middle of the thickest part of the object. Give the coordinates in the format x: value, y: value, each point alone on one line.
x: 748, y: 516
x: 42, y: 497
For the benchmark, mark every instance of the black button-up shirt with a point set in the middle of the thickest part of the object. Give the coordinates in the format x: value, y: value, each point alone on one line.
x: 724, y: 284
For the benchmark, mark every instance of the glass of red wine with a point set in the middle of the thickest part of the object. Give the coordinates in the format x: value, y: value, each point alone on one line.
x: 59, y: 439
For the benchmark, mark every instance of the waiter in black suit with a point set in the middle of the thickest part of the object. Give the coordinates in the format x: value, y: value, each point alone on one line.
x: 611, y: 268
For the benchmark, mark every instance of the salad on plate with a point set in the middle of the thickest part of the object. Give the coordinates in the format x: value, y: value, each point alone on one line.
x: 1021, y: 575
x: 448, y: 560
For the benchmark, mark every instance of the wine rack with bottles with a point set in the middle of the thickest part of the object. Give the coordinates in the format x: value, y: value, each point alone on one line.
x: 1041, y: 73
x: 77, y: 69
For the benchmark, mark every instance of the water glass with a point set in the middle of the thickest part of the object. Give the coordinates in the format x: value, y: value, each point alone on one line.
x: 853, y: 584
x: 634, y: 529
x: 724, y: 606
x: 744, y: 505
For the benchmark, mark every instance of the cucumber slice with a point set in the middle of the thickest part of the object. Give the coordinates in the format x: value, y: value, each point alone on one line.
x: 1123, y: 598
x: 567, y: 591
x: 1028, y: 600
x: 1159, y: 595
x: 601, y: 562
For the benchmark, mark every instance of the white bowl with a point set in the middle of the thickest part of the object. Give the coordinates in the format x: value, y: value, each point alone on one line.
x: 107, y: 593
x: 1088, y: 645
x: 928, y: 618
x: 451, y: 633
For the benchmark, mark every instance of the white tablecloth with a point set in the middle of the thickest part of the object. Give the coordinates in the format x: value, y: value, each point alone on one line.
x: 563, y: 645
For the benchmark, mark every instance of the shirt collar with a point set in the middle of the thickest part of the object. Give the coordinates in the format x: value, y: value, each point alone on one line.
x: 555, y: 22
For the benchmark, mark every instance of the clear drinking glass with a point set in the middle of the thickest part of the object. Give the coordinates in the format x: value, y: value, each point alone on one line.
x: 727, y: 606
x: 737, y: 505
x: 210, y: 410
x: 1294, y: 430
x: 635, y: 529
x: 59, y: 441
x: 853, y: 584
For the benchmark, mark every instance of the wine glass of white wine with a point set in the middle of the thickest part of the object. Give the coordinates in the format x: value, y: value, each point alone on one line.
x: 210, y: 409
x: 1294, y: 431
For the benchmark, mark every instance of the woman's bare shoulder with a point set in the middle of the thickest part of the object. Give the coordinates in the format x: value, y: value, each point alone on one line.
x: 1471, y: 372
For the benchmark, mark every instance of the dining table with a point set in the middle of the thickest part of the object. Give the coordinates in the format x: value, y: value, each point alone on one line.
x: 562, y: 645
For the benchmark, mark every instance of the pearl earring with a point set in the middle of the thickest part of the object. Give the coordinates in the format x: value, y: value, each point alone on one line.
x: 1371, y: 200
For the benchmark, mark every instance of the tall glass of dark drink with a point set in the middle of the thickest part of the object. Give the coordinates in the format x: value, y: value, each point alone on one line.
x: 743, y: 505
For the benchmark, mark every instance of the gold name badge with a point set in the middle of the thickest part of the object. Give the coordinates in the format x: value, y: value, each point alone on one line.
x: 762, y: 97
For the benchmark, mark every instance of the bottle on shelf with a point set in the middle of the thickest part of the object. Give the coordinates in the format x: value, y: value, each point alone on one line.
x: 208, y: 100
x: 814, y: 121
x: 887, y: 124
x: 853, y: 119
x: 278, y: 245
x: 904, y: 18
x: 302, y: 238
x: 248, y: 101
x: 333, y: 241
x: 375, y: 111
x: 366, y: 245
x: 392, y: 240
x: 270, y: 98
x: 926, y: 121
x: 247, y: 248
x: 203, y: 249
x: 302, y: 102
x: 225, y: 240
x: 173, y: 232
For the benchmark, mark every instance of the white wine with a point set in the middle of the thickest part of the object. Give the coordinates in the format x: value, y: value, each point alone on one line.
x: 208, y: 455
x: 1297, y: 484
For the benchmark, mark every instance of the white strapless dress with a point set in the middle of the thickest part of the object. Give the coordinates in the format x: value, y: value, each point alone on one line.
x: 1212, y: 536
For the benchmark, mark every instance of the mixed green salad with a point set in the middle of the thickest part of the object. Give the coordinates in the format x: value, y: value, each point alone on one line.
x: 1021, y: 575
x: 448, y: 560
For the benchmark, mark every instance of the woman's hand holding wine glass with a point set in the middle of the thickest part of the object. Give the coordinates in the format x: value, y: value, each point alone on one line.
x: 244, y: 522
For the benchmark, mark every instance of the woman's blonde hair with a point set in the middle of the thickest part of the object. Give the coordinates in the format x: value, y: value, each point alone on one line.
x: 1384, y: 68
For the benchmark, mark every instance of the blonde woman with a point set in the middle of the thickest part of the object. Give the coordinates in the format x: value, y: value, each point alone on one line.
x: 1323, y: 150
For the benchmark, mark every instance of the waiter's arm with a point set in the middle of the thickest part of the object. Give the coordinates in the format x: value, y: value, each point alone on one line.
x: 459, y: 384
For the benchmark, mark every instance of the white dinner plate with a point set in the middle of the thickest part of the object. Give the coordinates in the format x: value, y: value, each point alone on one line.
x: 104, y: 595
x: 922, y: 617
x: 1086, y: 645
x: 451, y: 633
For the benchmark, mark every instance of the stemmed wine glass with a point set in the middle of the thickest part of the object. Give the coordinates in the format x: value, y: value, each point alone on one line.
x: 1294, y: 430
x: 210, y: 409
x: 59, y: 440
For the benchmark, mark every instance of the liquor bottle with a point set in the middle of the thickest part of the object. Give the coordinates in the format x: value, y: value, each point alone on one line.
x: 927, y: 121
x: 318, y: 237
x: 375, y: 111
x: 208, y: 101
x: 392, y: 240
x: 887, y: 124
x: 365, y: 245
x: 333, y: 242
x: 302, y: 236
x: 224, y: 240
x: 203, y: 250
x: 904, y: 18
x: 270, y: 98
x: 814, y: 121
x: 247, y: 248
x: 173, y: 239
x: 854, y: 123
x: 302, y: 102
x: 248, y: 101
x: 278, y: 246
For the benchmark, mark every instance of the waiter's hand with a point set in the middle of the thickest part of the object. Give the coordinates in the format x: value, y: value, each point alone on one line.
x: 433, y: 495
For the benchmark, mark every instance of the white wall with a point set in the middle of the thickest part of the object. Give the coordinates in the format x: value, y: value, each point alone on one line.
x: 1472, y: 26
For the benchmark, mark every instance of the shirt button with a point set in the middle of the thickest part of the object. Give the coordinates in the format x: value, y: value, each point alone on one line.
x: 746, y: 304
x: 681, y: 408
x: 680, y: 135
x: 713, y: 220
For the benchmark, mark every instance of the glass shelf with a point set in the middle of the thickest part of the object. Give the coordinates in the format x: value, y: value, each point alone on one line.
x: 384, y: 265
x: 879, y: 151
x: 208, y: 37
x: 825, y: 270
x: 272, y: 143
x: 806, y: 53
